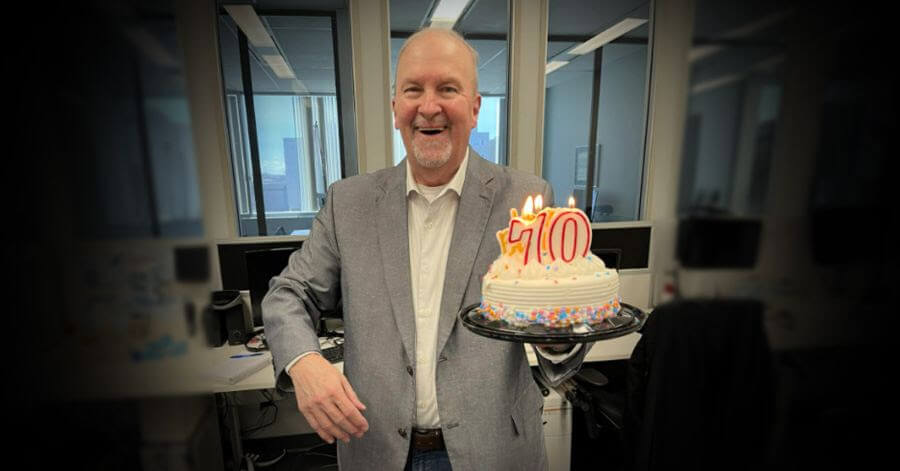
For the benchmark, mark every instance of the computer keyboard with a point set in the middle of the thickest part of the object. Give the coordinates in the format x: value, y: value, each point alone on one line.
x: 334, y: 354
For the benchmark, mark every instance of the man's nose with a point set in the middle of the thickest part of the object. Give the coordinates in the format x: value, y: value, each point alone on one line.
x: 429, y: 106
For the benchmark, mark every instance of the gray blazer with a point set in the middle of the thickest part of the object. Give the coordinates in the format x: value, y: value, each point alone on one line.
x: 358, y: 252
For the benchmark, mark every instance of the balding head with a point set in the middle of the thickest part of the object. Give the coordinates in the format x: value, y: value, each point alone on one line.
x: 448, y: 33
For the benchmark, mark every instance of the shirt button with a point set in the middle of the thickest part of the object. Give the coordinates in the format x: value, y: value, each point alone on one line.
x: 428, y: 225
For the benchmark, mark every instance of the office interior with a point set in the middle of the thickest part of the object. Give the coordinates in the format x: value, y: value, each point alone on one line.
x: 723, y: 150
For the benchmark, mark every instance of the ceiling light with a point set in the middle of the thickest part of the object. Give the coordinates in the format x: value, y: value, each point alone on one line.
x: 553, y: 65
x: 250, y: 24
x: 610, y: 34
x: 279, y: 66
x: 447, y: 12
x: 703, y: 51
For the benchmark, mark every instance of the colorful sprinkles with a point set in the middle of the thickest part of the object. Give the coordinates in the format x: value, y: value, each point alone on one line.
x: 553, y: 317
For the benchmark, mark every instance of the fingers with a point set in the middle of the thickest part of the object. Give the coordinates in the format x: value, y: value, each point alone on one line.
x: 351, y: 420
x: 320, y: 423
x: 342, y: 427
x: 331, y: 421
x: 352, y: 394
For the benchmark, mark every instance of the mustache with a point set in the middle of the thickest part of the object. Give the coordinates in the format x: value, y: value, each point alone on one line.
x: 424, y: 123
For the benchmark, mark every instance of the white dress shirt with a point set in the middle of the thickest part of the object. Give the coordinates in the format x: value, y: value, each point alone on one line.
x: 431, y: 213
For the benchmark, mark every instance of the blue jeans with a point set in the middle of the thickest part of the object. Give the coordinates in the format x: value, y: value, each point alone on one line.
x: 428, y: 461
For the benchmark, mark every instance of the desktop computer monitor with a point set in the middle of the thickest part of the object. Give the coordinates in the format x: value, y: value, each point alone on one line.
x: 262, y: 265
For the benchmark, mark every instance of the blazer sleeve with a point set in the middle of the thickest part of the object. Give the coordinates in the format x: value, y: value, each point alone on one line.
x: 306, y: 288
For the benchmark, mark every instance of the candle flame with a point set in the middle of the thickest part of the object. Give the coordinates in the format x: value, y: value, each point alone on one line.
x: 571, y: 202
x: 529, y: 207
x: 538, y: 202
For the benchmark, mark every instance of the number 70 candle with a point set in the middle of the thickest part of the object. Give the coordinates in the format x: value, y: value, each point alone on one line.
x: 548, y: 235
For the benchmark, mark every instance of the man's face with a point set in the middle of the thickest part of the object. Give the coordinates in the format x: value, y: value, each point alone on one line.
x: 435, y: 103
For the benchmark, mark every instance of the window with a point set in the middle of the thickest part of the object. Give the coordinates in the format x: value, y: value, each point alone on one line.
x: 485, y: 25
x: 286, y: 140
x: 595, y: 105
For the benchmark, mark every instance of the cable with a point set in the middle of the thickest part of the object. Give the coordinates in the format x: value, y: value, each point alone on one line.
x: 304, y: 450
x: 254, y: 462
x: 316, y: 453
x: 270, y: 403
x: 258, y: 426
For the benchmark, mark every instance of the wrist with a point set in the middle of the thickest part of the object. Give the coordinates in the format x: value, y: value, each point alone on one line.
x: 304, y: 359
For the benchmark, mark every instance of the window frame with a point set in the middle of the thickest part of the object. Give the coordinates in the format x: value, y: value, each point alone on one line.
x: 256, y: 211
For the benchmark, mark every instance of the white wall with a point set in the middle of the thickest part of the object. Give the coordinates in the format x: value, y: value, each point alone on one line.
x: 567, y: 124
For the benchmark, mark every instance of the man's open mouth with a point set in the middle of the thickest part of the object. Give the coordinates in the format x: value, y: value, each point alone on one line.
x: 431, y: 131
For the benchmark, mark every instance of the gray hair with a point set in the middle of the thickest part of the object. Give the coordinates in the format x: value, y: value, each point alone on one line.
x: 446, y: 31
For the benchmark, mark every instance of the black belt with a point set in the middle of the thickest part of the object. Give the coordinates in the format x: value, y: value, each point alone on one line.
x: 428, y: 439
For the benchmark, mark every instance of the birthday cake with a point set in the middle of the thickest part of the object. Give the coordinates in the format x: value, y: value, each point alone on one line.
x: 546, y: 273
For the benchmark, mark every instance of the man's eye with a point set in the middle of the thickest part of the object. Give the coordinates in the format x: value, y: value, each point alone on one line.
x: 450, y: 89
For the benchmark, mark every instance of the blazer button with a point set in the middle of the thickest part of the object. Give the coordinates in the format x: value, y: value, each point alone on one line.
x: 402, y: 432
x: 409, y: 370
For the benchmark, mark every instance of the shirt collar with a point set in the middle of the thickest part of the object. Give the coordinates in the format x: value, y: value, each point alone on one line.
x: 455, y: 184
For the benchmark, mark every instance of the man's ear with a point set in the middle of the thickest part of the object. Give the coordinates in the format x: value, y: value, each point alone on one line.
x: 475, y: 109
x: 394, y: 109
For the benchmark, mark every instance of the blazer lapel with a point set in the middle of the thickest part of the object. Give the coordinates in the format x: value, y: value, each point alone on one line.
x: 472, y: 215
x: 393, y: 239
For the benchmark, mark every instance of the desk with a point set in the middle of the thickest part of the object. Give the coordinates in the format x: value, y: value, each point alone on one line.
x: 83, y: 373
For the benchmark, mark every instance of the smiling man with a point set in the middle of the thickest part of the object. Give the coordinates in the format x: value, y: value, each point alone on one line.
x: 404, y: 249
x: 436, y: 103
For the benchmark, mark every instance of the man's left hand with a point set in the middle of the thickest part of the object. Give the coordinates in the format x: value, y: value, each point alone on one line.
x: 556, y: 348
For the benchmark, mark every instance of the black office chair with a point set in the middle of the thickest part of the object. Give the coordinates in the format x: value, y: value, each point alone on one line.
x: 698, y: 390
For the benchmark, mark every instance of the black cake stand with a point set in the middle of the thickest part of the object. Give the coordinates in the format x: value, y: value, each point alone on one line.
x: 629, y: 319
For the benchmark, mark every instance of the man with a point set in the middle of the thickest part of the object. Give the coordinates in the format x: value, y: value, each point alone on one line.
x: 404, y: 249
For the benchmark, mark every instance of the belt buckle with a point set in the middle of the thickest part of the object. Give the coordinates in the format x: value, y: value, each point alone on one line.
x: 428, y: 439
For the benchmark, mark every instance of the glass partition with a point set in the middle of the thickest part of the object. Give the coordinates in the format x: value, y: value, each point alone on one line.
x: 734, y: 101
x: 285, y: 140
x: 598, y: 56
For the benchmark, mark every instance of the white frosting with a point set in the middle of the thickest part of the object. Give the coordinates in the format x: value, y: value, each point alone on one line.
x: 508, y: 267
x: 585, y: 282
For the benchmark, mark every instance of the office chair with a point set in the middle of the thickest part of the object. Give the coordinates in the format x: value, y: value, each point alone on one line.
x: 699, y: 389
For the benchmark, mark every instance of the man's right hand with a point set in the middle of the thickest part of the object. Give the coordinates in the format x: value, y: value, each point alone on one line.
x: 326, y: 399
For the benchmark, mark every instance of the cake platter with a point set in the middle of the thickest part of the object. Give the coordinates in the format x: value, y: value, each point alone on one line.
x: 629, y: 319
